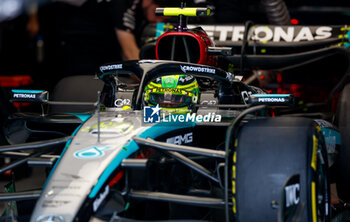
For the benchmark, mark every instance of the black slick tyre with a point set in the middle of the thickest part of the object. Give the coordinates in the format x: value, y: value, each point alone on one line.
x: 269, y: 151
x: 343, y: 163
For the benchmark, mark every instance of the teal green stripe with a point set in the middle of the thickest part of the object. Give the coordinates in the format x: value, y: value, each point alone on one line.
x: 26, y: 91
x: 159, y: 29
x: 271, y: 95
x: 347, y: 44
x: 82, y: 116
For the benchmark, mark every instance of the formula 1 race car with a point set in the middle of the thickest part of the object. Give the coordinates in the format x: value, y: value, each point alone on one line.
x: 182, y: 140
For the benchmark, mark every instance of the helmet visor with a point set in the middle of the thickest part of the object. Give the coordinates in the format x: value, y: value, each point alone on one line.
x: 168, y: 99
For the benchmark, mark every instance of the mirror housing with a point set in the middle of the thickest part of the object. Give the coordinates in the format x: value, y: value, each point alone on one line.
x: 272, y: 99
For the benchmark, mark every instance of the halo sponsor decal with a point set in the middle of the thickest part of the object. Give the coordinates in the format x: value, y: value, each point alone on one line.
x: 197, y: 69
x: 92, y: 152
x: 111, y: 67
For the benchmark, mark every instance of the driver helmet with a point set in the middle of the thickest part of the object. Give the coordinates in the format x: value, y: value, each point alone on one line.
x: 174, y: 93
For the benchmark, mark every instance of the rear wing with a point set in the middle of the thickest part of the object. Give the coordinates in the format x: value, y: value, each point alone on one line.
x: 271, y: 35
x: 267, y: 37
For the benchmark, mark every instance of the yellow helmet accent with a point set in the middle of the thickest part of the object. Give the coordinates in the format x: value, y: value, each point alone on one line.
x: 126, y: 107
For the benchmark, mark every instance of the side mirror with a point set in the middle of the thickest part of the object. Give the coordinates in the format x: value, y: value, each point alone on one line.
x: 29, y: 96
x: 272, y: 99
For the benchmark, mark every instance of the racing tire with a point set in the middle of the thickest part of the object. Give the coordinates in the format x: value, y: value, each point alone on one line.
x: 342, y: 161
x: 268, y: 152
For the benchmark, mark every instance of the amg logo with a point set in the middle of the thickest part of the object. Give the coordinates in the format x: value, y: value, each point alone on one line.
x: 24, y: 96
x: 272, y: 100
x: 187, y: 138
x: 111, y: 67
x: 292, y: 197
x: 197, y: 69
